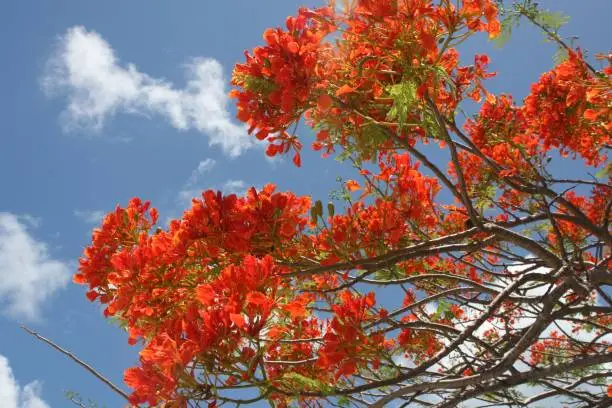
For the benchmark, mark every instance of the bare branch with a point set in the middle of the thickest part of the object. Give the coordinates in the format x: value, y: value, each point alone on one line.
x: 80, y: 362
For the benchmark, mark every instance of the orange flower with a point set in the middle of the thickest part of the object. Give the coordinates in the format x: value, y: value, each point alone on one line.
x: 324, y: 103
x: 345, y: 89
x: 352, y: 185
x: 238, y: 320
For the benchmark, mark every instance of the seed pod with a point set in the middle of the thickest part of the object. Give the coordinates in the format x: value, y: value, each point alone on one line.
x: 330, y: 209
x: 319, y: 207
x: 313, y: 215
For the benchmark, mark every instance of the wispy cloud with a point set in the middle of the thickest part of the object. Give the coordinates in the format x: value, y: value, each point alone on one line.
x: 85, y: 70
x: 234, y: 187
x: 192, y: 188
x: 28, y: 274
x: 89, y: 216
x: 238, y: 187
x: 528, y: 316
x: 203, y: 167
x: 194, y: 185
x: 12, y: 395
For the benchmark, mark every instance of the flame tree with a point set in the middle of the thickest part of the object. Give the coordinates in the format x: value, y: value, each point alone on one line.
x: 488, y: 267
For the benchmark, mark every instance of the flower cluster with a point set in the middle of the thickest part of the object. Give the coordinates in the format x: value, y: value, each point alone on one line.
x: 193, y: 291
x: 277, y: 80
x: 299, y: 73
x: 570, y: 108
x: 265, y: 292
x: 346, y: 345
x: 384, y: 224
x: 566, y: 109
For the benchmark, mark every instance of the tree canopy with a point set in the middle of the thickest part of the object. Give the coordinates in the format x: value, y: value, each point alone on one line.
x: 457, y: 266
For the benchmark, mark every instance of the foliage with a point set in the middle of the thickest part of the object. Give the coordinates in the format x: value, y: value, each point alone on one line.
x: 76, y: 399
x: 444, y: 280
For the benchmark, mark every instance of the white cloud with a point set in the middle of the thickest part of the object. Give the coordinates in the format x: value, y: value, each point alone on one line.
x: 90, y: 216
x: 237, y: 187
x: 528, y: 316
x: 85, y: 69
x: 191, y: 188
x: 194, y: 185
x: 12, y: 395
x: 28, y: 275
x: 234, y: 187
x: 30, y: 220
x: 203, y: 167
x: 185, y: 195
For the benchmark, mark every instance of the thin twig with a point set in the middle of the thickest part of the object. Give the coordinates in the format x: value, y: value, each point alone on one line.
x: 78, y: 361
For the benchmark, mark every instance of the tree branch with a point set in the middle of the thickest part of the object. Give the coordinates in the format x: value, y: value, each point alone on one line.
x: 80, y: 362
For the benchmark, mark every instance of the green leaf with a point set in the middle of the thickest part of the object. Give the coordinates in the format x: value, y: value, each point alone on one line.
x: 430, y: 124
x: 300, y: 382
x: 368, y: 140
x: 485, y: 193
x: 343, y: 401
x: 443, y: 308
x: 259, y: 85
x: 117, y: 321
x: 388, y: 273
x: 345, y: 154
x: 507, y: 25
x: 560, y: 55
x: 76, y: 399
x: 552, y: 20
x: 404, y: 96
x: 605, y: 171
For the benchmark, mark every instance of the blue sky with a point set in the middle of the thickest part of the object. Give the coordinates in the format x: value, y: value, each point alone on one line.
x: 102, y: 101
